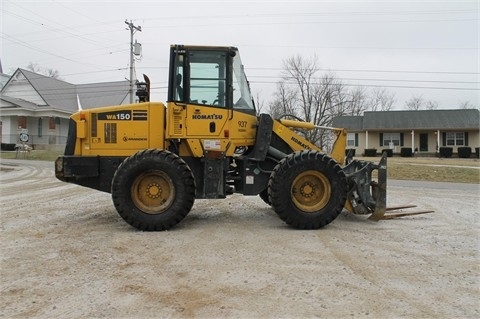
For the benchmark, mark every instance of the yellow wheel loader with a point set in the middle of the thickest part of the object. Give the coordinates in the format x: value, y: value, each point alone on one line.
x: 207, y: 142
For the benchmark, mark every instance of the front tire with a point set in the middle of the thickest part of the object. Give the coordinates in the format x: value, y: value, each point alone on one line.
x: 153, y: 190
x: 264, y: 196
x: 307, y: 189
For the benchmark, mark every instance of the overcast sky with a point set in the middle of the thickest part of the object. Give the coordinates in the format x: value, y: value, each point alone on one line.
x: 421, y: 48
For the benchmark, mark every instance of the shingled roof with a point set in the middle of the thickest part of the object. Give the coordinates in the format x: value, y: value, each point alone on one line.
x: 352, y: 123
x: 407, y: 120
x: 61, y: 95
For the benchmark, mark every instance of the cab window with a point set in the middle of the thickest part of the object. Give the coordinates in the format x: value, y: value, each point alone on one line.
x: 178, y: 81
x: 242, y: 97
x: 208, y: 77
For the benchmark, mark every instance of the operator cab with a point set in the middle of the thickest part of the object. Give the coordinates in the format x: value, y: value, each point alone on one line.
x: 209, y: 76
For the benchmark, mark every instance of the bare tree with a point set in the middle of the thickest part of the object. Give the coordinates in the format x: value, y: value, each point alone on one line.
x: 283, y: 102
x: 415, y: 103
x: 52, y: 73
x: 259, y: 102
x: 431, y: 105
x: 357, y: 101
x: 305, y: 93
x: 34, y: 67
x: 466, y: 105
x: 381, y: 100
x: 316, y: 98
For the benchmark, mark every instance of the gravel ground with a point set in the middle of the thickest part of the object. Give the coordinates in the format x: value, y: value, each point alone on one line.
x: 65, y: 253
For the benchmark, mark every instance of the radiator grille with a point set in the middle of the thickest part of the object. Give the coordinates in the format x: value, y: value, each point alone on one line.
x: 111, y: 133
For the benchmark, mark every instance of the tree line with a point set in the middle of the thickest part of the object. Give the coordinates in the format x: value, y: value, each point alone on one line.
x: 306, y: 93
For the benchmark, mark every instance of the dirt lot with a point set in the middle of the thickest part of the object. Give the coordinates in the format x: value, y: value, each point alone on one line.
x: 65, y: 253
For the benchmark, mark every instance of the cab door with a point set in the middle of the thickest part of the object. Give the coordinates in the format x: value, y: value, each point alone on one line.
x: 207, y: 111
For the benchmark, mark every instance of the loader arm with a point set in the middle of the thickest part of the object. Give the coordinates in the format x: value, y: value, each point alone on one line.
x: 283, y: 128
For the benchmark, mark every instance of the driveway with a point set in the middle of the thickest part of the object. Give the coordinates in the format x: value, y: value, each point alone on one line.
x: 66, y: 253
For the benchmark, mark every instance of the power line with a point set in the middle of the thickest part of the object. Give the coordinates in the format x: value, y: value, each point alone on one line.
x: 38, y: 49
x: 25, y: 44
x: 62, y: 29
x: 359, y: 47
x: 340, y: 70
x: 378, y: 80
x: 58, y: 30
x: 254, y: 15
x: 416, y: 87
x: 99, y: 71
x: 85, y: 88
x: 390, y: 86
x: 58, y: 3
x: 373, y: 71
x: 275, y: 79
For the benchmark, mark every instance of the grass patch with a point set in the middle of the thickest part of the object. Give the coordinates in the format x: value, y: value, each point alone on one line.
x: 424, y: 172
x: 433, y: 169
x: 38, y: 155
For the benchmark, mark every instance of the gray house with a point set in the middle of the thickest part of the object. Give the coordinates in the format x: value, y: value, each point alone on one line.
x: 40, y: 106
x: 3, y: 77
x: 424, y: 131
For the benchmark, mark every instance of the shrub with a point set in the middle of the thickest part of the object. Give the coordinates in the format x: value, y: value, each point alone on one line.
x: 8, y: 147
x: 406, y: 152
x: 446, y: 151
x: 477, y: 152
x: 389, y: 152
x: 350, y: 151
x: 370, y: 152
x: 464, y: 152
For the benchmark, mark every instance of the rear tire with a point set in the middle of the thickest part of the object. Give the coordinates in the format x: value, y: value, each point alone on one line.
x: 153, y: 190
x: 307, y: 189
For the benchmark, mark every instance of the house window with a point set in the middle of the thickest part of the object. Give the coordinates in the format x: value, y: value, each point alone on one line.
x: 51, y: 123
x: 352, y: 139
x: 22, y: 122
x: 455, y: 138
x: 391, y: 138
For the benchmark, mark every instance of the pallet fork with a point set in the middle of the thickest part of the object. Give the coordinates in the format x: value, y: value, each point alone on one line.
x: 370, y: 197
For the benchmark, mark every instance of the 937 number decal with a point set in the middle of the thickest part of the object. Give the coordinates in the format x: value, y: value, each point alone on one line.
x: 242, y: 124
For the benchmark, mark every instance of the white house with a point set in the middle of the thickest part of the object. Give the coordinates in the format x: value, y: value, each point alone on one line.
x: 41, y: 106
x: 422, y: 131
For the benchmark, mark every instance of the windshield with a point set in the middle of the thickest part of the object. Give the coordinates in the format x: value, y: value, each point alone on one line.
x: 242, y: 98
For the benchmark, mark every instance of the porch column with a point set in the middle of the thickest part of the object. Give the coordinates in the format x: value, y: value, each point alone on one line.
x: 438, y: 141
x: 413, y: 141
x: 366, y: 139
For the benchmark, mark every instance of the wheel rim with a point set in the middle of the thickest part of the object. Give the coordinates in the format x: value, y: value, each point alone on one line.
x: 311, y: 191
x: 153, y: 192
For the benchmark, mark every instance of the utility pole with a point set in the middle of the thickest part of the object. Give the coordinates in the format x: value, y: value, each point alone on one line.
x: 133, y: 28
